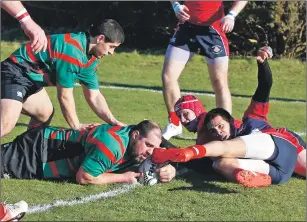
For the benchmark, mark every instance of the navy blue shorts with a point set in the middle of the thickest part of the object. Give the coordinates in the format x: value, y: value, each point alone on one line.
x: 209, y: 41
x: 283, y: 164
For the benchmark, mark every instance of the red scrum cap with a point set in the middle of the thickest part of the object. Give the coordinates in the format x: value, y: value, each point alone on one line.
x: 189, y: 102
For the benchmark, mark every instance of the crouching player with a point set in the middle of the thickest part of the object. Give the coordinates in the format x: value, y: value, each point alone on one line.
x: 272, y: 152
x: 89, y: 157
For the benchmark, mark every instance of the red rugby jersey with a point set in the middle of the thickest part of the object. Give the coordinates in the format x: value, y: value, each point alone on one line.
x: 204, y: 12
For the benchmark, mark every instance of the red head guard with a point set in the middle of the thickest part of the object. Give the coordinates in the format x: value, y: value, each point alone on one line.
x: 190, y: 102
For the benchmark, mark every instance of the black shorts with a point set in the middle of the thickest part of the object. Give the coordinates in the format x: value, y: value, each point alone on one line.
x: 23, y: 158
x: 14, y: 83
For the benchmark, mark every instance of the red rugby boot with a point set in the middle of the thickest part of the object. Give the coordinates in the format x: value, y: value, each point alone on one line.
x: 252, y: 179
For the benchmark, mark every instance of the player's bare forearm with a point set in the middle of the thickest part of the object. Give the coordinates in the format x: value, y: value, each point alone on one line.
x: 12, y: 7
x: 99, y: 105
x: 238, y: 6
x: 68, y: 107
x: 105, y: 178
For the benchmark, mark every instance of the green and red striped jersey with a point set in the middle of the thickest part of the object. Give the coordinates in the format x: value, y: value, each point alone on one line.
x: 64, y: 62
x: 105, y: 149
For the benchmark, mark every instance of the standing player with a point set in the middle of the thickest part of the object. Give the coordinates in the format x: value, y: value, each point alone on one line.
x: 70, y: 57
x: 202, y: 26
x: 30, y: 28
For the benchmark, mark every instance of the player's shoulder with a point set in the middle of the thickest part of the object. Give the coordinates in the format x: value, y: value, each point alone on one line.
x: 116, y: 138
x: 70, y: 43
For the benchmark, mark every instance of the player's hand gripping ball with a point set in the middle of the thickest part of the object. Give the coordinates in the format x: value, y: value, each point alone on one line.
x: 148, y: 168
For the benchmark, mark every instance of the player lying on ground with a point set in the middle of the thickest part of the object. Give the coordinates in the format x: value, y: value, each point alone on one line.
x: 13, y: 212
x: 272, y: 151
x: 88, y: 156
x: 192, y: 113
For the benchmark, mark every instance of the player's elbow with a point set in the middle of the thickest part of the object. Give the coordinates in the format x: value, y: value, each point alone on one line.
x: 83, y: 177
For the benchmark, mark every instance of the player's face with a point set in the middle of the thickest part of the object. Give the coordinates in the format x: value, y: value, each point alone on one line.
x: 219, y: 128
x: 188, y: 119
x: 103, y: 48
x: 144, y: 146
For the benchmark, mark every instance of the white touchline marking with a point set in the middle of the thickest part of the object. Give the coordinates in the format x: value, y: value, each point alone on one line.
x: 61, y: 203
x: 183, y: 93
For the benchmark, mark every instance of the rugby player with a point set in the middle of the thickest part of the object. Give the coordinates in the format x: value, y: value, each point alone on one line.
x: 255, y: 154
x: 98, y: 155
x: 201, y: 27
x: 70, y: 57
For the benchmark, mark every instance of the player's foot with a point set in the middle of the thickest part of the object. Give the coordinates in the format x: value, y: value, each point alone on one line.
x: 252, y: 179
x: 178, y: 155
x: 13, y: 212
x: 171, y: 130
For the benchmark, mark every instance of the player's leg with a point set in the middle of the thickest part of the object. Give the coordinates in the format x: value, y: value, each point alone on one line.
x: 254, y: 146
x: 218, y: 73
x: 216, y: 50
x: 177, y: 55
x: 10, y: 111
x: 12, y: 97
x: 248, y: 172
x: 13, y: 212
x: 23, y: 157
x: 39, y: 107
x: 15, y: 89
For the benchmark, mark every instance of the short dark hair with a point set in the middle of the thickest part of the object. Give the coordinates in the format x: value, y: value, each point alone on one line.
x: 218, y: 112
x: 211, y: 115
x: 110, y: 28
x: 145, y: 127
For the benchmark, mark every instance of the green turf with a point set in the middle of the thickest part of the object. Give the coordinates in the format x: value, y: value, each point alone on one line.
x: 193, y: 196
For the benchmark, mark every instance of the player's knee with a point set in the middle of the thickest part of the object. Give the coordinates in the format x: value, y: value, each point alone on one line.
x: 49, y: 118
x: 219, y: 85
x: 167, y: 78
x: 43, y: 119
x: 6, y: 128
x: 223, y: 164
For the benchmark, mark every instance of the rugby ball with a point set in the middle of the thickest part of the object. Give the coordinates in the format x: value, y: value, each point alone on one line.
x: 148, y: 168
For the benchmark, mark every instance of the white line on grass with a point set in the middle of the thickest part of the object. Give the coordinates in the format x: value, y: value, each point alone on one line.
x: 60, y: 203
x: 183, y: 93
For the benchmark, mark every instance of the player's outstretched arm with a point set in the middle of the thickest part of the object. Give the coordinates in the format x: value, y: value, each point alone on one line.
x: 99, y: 105
x: 265, y: 80
x: 30, y: 28
x: 82, y: 177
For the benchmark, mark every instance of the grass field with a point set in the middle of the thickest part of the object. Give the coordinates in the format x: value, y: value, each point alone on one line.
x: 190, y: 197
